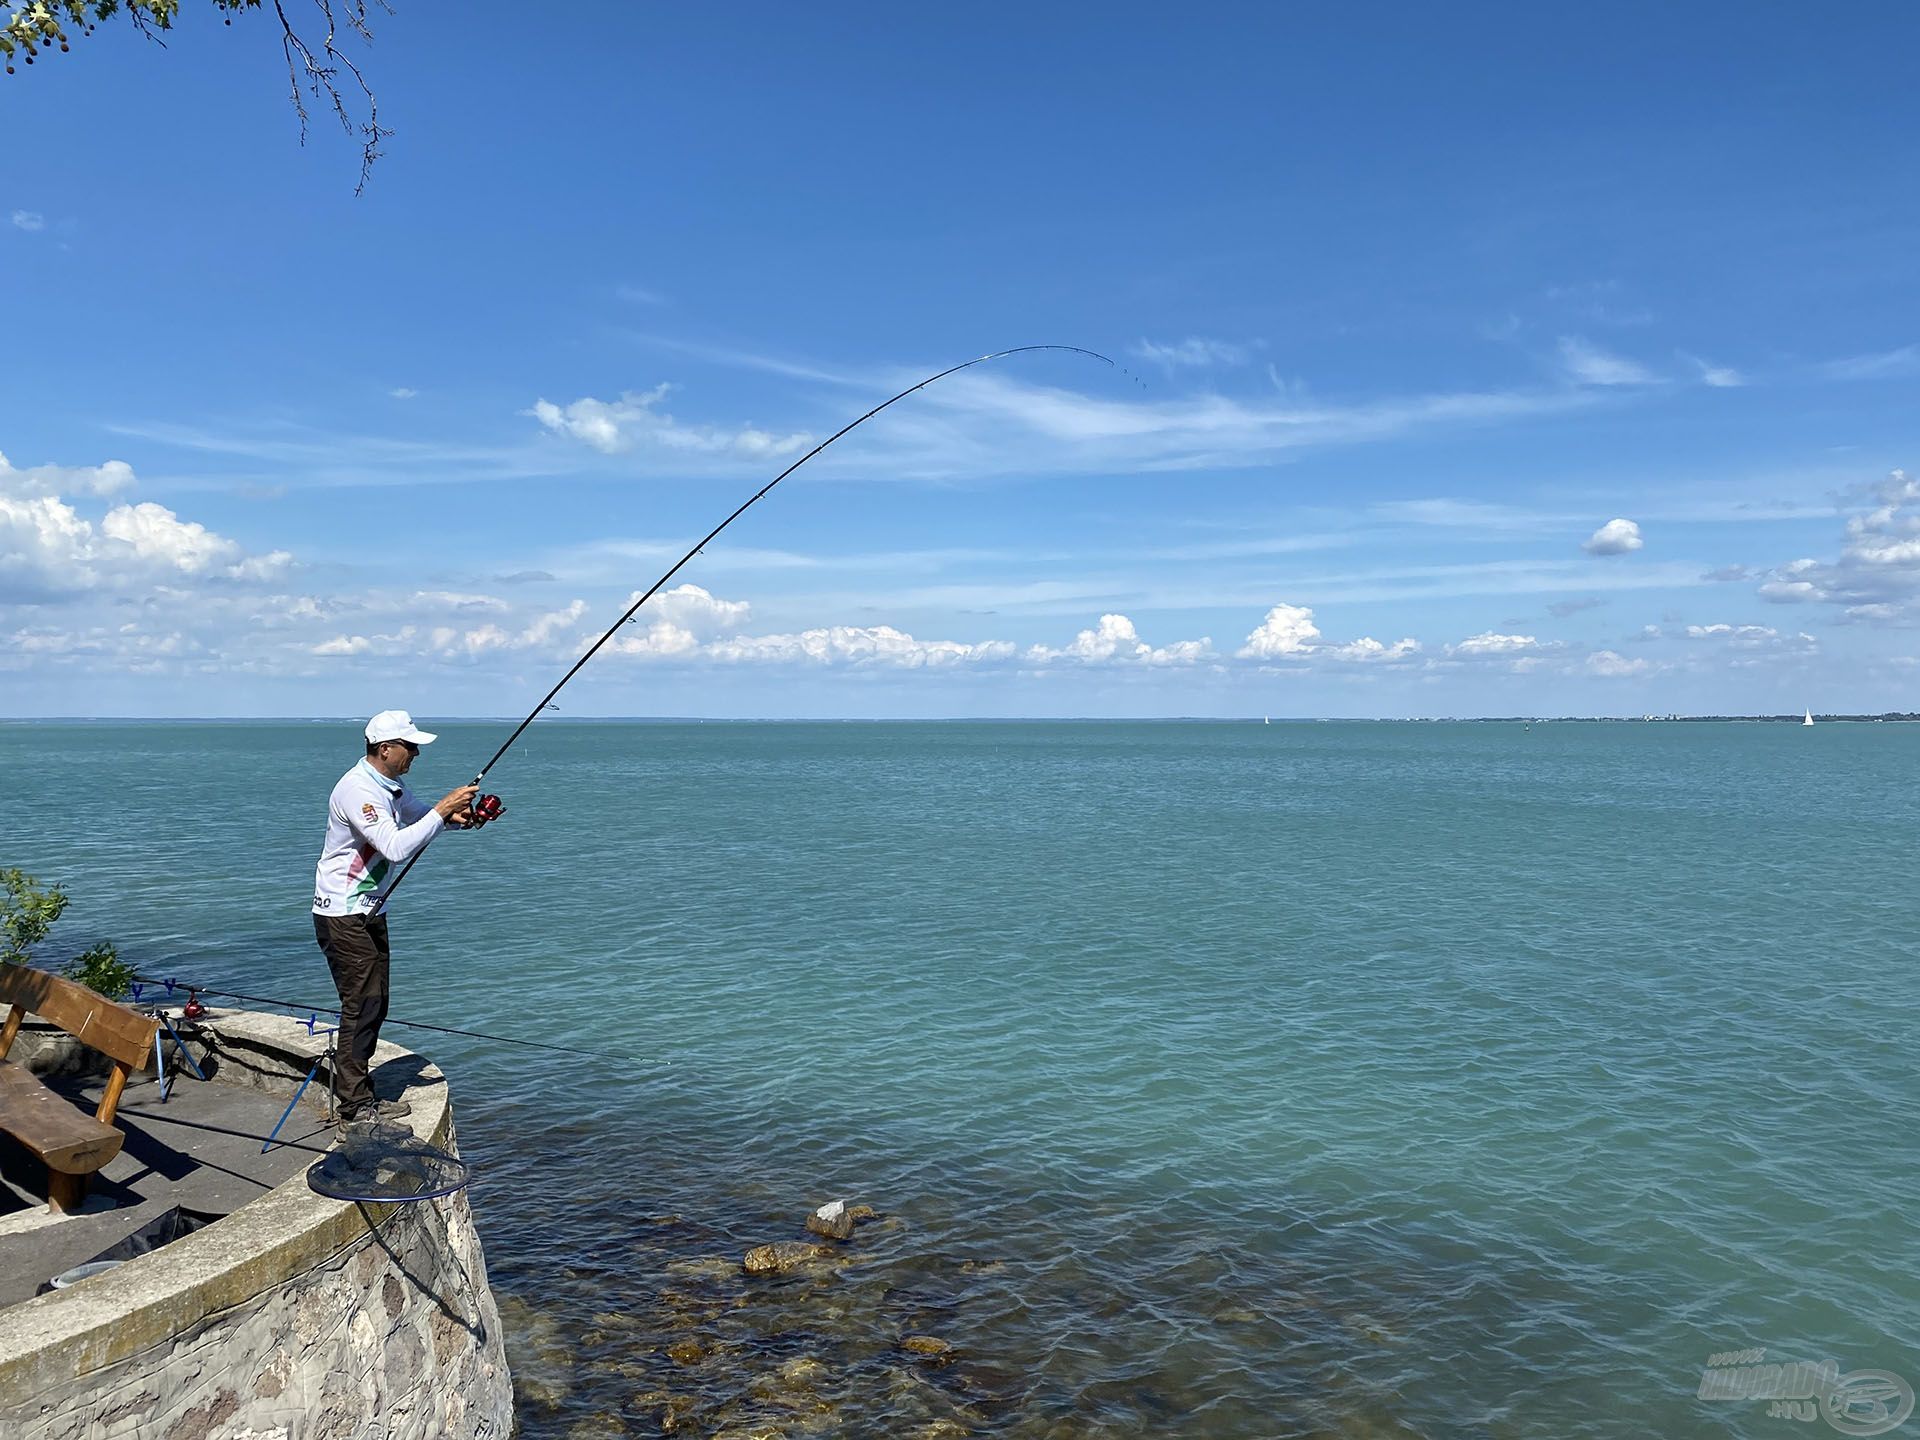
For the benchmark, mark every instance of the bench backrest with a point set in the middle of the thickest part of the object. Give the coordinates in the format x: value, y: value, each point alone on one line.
x: 114, y: 1030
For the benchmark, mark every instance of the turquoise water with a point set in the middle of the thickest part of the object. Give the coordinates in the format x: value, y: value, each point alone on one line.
x: 1215, y: 1079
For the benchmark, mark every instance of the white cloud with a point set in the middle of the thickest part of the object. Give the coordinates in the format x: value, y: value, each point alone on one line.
x: 615, y: 426
x: 879, y: 645
x: 1367, y: 649
x: 1287, y: 630
x: 1114, y: 639
x: 344, y: 645
x: 403, y: 392
x: 1720, y: 377
x: 1192, y: 353
x: 1616, y: 537
x: 1883, y: 365
x: 161, y: 538
x: 1611, y: 663
x: 539, y: 633
x: 1751, y: 638
x: 1288, y: 633
x: 454, y: 600
x: 1877, y: 574
x: 694, y: 609
x: 107, y: 479
x: 29, y: 220
x: 1587, y: 364
x: 45, y: 546
x: 1490, y: 643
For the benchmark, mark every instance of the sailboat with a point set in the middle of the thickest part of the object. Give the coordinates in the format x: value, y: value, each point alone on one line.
x: 1809, y: 719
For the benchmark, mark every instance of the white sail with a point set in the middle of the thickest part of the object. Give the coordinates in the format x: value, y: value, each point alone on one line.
x: 1809, y: 719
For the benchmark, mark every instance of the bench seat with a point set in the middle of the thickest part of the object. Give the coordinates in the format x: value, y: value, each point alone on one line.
x: 72, y: 1143
x: 66, y: 1138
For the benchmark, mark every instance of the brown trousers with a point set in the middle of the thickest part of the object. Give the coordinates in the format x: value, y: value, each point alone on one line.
x: 357, y: 954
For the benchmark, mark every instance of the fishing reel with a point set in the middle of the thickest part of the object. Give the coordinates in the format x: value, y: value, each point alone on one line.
x: 485, y: 808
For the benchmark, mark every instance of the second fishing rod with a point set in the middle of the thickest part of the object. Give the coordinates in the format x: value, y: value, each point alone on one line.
x: 487, y: 807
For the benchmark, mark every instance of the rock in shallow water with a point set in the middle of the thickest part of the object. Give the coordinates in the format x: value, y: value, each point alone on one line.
x: 783, y: 1256
x: 833, y: 1220
x: 926, y: 1345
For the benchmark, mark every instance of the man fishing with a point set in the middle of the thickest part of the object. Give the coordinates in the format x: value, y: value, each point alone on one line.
x: 374, y: 822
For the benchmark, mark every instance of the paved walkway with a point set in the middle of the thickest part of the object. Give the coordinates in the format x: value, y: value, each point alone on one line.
x: 199, y: 1150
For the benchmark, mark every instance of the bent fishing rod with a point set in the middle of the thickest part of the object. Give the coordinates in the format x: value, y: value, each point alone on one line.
x: 614, y: 628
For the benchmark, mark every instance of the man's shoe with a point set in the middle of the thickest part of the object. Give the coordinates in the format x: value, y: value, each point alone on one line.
x: 383, y: 1110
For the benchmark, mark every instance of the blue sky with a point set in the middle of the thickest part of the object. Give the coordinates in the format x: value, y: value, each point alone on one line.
x: 1419, y: 302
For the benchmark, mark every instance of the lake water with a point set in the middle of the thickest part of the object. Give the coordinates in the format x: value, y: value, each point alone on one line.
x: 1211, y: 1079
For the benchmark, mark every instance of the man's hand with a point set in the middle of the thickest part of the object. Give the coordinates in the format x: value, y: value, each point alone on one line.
x: 457, y: 802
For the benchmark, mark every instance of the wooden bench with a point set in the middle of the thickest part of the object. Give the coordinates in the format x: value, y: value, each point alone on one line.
x: 72, y: 1143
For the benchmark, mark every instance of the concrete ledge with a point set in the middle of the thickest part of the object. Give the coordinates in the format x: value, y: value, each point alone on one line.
x: 53, y: 1342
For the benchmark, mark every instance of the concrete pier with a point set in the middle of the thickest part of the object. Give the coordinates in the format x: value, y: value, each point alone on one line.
x: 293, y: 1317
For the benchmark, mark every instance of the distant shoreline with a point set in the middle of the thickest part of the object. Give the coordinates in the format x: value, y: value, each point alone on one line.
x: 1898, y: 716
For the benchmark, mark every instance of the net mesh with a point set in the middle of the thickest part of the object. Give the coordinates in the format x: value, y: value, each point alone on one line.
x: 386, y: 1163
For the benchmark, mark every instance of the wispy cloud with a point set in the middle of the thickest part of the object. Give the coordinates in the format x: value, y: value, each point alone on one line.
x: 638, y: 295
x: 29, y: 220
x: 1879, y: 365
x: 615, y: 426
x: 403, y: 392
x: 1719, y: 377
x: 1587, y: 364
x: 1192, y: 353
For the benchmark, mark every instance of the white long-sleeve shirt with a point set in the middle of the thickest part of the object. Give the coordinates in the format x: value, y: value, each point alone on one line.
x: 373, y: 824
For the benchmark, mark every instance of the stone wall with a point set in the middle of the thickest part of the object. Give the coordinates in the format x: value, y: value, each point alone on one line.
x: 296, y: 1317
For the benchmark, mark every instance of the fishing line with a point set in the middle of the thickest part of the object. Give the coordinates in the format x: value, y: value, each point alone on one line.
x: 547, y: 699
x: 193, y: 990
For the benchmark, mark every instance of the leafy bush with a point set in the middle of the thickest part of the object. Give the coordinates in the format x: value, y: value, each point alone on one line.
x: 28, y: 911
x: 27, y: 914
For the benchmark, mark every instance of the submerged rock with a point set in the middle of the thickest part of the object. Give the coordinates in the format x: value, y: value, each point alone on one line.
x: 783, y: 1256
x: 927, y: 1345
x: 707, y: 1267
x: 687, y: 1352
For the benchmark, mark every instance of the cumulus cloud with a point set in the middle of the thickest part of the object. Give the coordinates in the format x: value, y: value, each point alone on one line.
x: 344, y: 645
x: 539, y: 633
x: 1587, y: 364
x: 1876, y: 577
x: 1287, y: 630
x: 48, y: 548
x: 1613, y: 664
x: 1490, y: 643
x: 1114, y: 639
x: 1616, y: 537
x: 615, y: 426
x: 693, y: 609
x: 107, y: 479
x: 1288, y: 633
x: 878, y: 645
x: 1366, y: 648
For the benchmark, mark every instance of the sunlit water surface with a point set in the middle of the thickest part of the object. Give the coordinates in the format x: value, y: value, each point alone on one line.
x: 1211, y: 1079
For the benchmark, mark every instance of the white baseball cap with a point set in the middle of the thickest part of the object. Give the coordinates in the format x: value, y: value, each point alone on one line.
x: 395, y: 725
